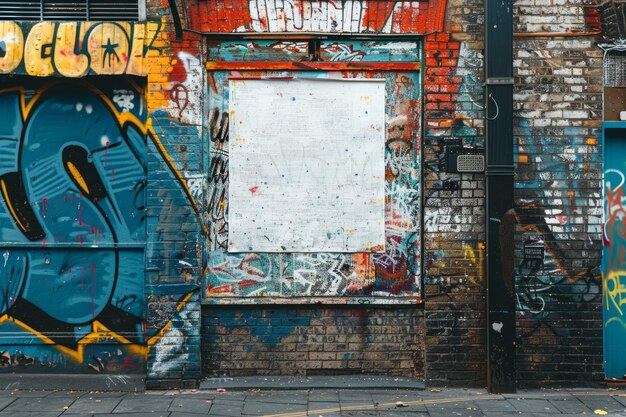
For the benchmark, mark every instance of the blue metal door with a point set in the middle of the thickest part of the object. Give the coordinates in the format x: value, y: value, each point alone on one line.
x: 614, y: 250
x: 72, y: 226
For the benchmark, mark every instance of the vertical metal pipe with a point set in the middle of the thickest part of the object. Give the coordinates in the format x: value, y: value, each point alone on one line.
x: 499, y: 202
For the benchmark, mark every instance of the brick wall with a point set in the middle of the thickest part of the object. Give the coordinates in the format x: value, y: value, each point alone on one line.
x: 558, y: 111
x: 453, y: 203
x: 175, y: 245
x: 312, y: 340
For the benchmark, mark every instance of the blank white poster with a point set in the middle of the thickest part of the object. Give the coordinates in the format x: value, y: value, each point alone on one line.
x: 307, y: 165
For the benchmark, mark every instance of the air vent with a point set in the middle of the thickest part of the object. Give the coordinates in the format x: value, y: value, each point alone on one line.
x: 70, y: 10
x: 470, y: 163
x: 459, y: 160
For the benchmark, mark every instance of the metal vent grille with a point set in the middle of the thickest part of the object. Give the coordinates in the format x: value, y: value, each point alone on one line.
x: 470, y: 163
x: 615, y: 69
x: 71, y: 10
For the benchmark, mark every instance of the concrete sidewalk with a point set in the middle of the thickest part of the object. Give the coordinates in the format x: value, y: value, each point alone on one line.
x: 314, y: 402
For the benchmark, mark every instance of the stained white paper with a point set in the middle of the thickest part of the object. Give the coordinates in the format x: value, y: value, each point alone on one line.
x: 306, y: 165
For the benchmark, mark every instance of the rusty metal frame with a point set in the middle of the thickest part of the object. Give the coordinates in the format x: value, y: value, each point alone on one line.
x: 311, y: 66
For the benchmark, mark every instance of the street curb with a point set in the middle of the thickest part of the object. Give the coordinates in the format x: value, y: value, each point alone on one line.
x: 127, y: 383
x: 312, y: 382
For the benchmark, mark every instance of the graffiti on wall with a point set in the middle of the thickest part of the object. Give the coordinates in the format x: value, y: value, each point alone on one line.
x: 76, y: 49
x: 72, y: 178
x: 614, y: 255
x: 324, y: 277
x: 73, y: 227
x: 350, y: 16
x: 548, y: 221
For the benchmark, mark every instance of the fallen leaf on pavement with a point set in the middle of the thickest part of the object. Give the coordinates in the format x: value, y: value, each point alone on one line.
x: 401, y: 404
x: 435, y: 390
x: 601, y: 412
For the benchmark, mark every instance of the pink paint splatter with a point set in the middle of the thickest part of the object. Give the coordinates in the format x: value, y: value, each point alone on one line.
x: 43, y: 243
x: 106, y: 154
x: 93, y: 291
x: 44, y: 207
x: 112, y: 173
x: 254, y: 189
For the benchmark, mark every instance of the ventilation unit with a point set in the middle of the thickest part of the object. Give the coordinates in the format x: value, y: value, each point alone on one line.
x: 70, y: 10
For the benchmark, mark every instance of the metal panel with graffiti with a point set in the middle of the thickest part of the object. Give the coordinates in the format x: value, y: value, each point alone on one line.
x: 614, y: 254
x: 72, y: 225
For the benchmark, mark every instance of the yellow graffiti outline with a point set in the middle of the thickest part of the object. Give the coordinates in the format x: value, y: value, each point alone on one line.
x: 123, y: 120
x: 170, y: 163
x: 98, y: 332
x: 618, y: 320
x: 161, y: 332
x: 612, y: 275
x: 10, y: 206
x: 78, y: 177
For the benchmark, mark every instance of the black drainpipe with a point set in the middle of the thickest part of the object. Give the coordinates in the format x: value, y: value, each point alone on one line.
x: 499, y: 196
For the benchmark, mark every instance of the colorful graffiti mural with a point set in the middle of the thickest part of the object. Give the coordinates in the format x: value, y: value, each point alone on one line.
x: 75, y: 49
x: 351, y: 16
x: 548, y: 220
x: 72, y: 223
x: 325, y: 277
x: 73, y: 226
x: 614, y: 256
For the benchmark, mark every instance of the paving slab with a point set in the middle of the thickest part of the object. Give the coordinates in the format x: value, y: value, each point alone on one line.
x: 356, y: 405
x: 494, y: 405
x: 152, y: 414
x: 5, y: 402
x: 29, y: 414
x: 533, y: 406
x: 143, y: 403
x: 255, y: 408
x: 226, y: 409
x: 457, y: 412
x: 602, y: 402
x: 90, y: 405
x: 177, y: 414
x: 324, y: 396
x: 355, y: 395
x: 413, y: 409
x: 360, y: 414
x: 291, y: 397
x: 316, y: 408
x: 39, y: 404
x: 570, y: 405
x: 105, y: 394
x: 190, y: 405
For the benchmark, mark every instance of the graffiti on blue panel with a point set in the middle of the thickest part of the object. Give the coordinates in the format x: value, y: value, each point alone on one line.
x: 72, y: 219
x: 614, y: 254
